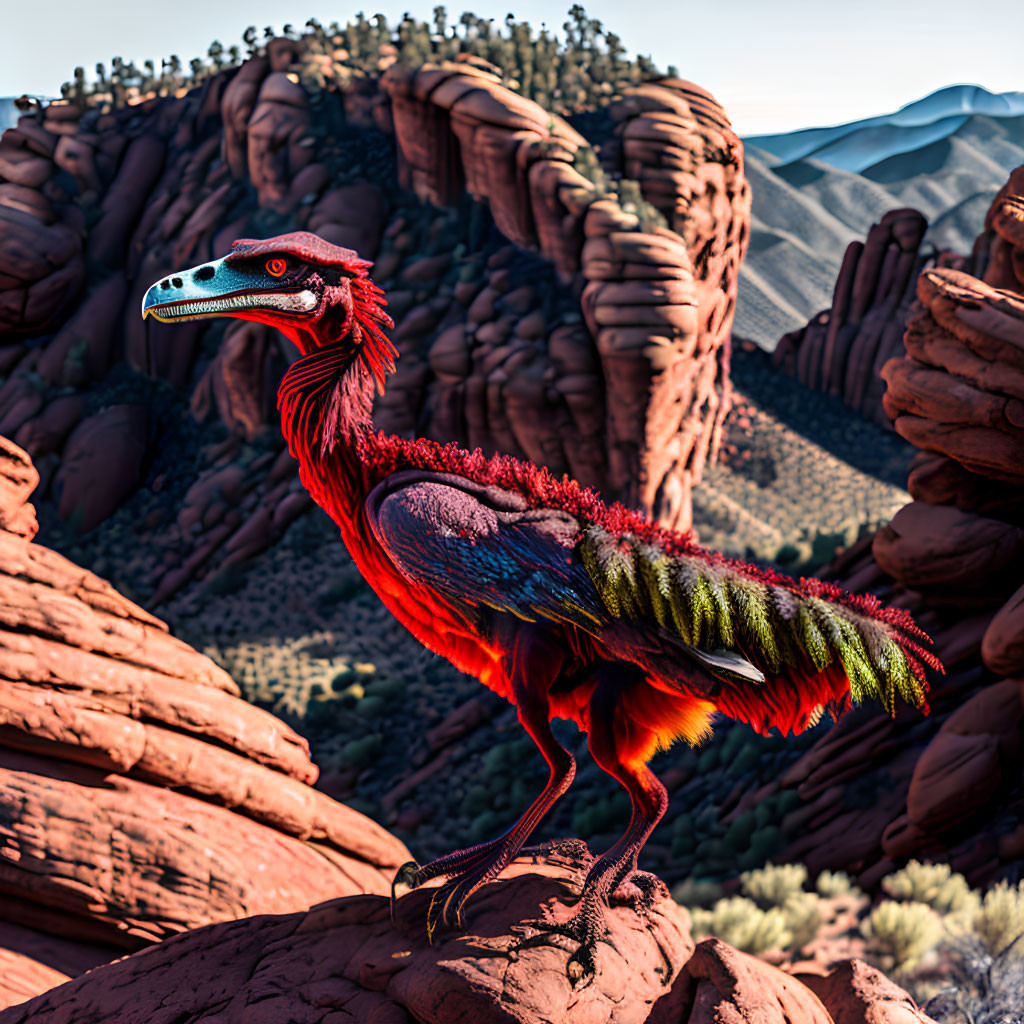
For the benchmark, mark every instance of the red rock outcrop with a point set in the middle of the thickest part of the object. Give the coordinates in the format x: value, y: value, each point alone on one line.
x: 346, y: 959
x: 656, y: 304
x: 953, y: 557
x: 629, y: 399
x: 842, y: 349
x: 198, y: 805
x: 41, y: 264
x: 996, y: 256
x: 959, y: 390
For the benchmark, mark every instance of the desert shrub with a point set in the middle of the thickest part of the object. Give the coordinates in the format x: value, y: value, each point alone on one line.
x: 903, y: 931
x: 933, y: 884
x: 696, y: 892
x: 835, y: 883
x: 1000, y: 918
x: 771, y: 885
x: 360, y: 752
x: 803, y: 918
x: 741, y: 923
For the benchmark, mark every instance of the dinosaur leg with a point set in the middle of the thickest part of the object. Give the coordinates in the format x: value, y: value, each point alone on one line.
x: 467, y: 870
x: 615, y: 872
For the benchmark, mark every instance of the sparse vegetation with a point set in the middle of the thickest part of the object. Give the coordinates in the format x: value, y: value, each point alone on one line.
x: 932, y: 911
x: 831, y: 884
x: 933, y: 884
x: 740, y: 922
x: 999, y: 920
x: 773, y: 884
x: 582, y: 69
x: 901, y: 933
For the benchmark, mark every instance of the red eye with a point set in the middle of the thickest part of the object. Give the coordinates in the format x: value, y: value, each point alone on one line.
x: 276, y: 267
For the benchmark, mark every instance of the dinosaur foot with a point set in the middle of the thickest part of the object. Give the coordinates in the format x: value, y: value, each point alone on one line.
x: 464, y: 872
x: 587, y: 926
x: 571, y: 853
x: 640, y: 889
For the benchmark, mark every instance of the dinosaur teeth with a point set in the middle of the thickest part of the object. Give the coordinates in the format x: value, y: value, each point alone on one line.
x: 295, y: 302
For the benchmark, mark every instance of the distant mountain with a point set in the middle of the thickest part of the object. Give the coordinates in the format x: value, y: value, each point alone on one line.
x: 945, y: 155
x: 859, y: 144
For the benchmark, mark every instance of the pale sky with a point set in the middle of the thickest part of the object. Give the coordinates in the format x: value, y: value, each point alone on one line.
x: 775, y: 65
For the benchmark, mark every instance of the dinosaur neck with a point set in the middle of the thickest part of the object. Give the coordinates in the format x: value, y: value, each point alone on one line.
x: 326, y: 403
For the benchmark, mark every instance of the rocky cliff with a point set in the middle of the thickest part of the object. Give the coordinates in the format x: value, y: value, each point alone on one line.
x: 140, y: 796
x: 345, y: 960
x: 949, y: 787
x: 581, y: 369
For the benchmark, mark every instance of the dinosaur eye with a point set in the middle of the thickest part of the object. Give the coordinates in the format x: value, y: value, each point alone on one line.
x: 276, y: 267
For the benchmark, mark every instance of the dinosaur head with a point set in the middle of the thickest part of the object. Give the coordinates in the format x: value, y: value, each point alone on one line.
x: 315, y: 293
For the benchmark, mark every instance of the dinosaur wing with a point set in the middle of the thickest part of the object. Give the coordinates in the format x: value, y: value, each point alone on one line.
x: 481, y: 546
x: 780, y: 652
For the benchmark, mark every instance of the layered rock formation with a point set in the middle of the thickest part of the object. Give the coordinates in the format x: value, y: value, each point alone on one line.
x: 843, y: 349
x: 627, y: 393
x: 657, y: 302
x: 947, y: 787
x: 345, y: 960
x: 139, y: 794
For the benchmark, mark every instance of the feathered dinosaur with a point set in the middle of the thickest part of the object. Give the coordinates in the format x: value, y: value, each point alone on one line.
x: 567, y: 607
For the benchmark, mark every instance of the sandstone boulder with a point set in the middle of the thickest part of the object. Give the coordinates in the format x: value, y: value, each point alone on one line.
x: 102, y: 464
x: 1002, y: 646
x: 139, y: 794
x: 346, y: 958
x: 943, y: 546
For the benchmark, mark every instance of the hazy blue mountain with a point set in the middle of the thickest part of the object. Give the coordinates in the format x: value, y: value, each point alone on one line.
x: 859, y: 144
x: 945, y: 155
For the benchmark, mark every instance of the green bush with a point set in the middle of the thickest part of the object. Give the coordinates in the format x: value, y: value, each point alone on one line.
x: 933, y: 884
x: 903, y: 931
x: 694, y: 893
x: 1000, y: 918
x: 360, y: 752
x: 803, y: 918
x: 742, y: 924
x: 771, y: 885
x: 835, y: 883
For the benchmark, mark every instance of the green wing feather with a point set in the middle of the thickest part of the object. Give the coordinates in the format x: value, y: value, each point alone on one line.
x: 793, y: 632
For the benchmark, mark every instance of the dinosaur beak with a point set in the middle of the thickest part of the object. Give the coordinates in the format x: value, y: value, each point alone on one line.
x: 221, y: 289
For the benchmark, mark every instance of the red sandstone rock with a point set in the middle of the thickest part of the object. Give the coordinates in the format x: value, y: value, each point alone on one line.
x: 102, y: 464
x: 40, y: 270
x: 942, y: 546
x: 1002, y: 646
x: 83, y: 349
x: 125, y: 199
x: 21, y: 978
x: 975, y: 752
x: 854, y: 992
x: 841, y: 350
x: 392, y: 974
x: 27, y: 200
x: 998, y: 249
x: 723, y: 984
x: 236, y: 107
x: 94, y: 690
x: 276, y: 131
x: 241, y: 381
x: 962, y: 393
x: 18, y: 479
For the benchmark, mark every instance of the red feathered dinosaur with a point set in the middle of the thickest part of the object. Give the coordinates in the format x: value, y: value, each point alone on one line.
x: 567, y: 607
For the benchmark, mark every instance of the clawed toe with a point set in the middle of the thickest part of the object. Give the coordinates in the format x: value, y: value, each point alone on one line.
x: 406, y: 877
x: 641, y: 890
x: 583, y: 930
